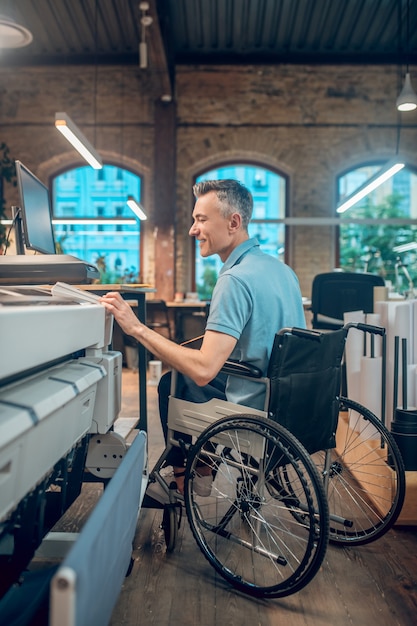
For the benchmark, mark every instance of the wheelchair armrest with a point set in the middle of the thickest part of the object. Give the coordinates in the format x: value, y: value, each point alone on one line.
x: 241, y: 369
x: 236, y: 368
x: 307, y: 333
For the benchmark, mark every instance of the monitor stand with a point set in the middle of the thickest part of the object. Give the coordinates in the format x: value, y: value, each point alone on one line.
x: 18, y: 229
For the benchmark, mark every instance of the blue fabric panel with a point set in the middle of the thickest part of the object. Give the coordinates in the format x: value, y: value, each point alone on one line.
x: 101, y: 555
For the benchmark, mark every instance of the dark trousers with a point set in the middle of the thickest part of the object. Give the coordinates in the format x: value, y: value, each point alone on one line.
x: 186, y: 390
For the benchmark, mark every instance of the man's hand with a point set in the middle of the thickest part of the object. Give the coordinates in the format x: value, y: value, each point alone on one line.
x: 122, y: 311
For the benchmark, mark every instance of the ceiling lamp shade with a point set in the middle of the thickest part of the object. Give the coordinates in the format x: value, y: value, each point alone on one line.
x: 13, y: 35
x: 136, y: 208
x: 407, y: 100
x: 390, y: 169
x: 72, y: 133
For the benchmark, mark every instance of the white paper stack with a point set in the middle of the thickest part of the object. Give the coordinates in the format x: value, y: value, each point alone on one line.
x: 371, y: 385
x: 62, y: 290
x: 353, y: 354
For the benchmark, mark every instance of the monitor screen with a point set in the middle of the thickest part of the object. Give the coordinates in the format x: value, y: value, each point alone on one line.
x: 36, y: 214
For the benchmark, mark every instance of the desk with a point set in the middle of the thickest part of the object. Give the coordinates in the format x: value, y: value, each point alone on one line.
x: 132, y: 292
x: 189, y: 318
x: 198, y: 309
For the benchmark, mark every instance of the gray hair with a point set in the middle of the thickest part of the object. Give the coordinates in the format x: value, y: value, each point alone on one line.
x: 232, y: 196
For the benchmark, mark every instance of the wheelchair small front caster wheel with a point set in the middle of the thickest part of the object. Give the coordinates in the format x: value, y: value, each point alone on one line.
x: 170, y: 526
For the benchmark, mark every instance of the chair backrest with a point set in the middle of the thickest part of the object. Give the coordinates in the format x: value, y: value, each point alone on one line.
x: 157, y: 315
x: 336, y: 293
x: 157, y: 305
x: 305, y: 377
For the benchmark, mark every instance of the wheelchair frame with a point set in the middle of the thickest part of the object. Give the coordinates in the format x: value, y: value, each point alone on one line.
x: 274, y: 506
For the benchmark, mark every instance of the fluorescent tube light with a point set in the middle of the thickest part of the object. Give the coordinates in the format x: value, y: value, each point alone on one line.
x: 391, y: 168
x: 405, y: 247
x: 66, y: 126
x: 136, y: 208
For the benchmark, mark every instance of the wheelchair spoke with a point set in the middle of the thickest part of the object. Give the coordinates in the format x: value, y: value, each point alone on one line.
x: 264, y: 541
x: 364, y: 479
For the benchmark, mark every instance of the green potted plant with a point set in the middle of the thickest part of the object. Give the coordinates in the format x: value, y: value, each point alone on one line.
x: 8, y: 174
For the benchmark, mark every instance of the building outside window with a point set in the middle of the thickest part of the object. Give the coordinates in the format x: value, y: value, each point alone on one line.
x: 269, y: 205
x: 84, y: 193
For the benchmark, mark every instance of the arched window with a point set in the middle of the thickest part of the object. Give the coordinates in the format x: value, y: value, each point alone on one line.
x: 93, y: 222
x: 379, y: 233
x: 269, y: 191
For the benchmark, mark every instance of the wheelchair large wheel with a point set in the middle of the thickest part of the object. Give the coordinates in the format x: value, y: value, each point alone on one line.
x: 264, y: 538
x: 364, y: 478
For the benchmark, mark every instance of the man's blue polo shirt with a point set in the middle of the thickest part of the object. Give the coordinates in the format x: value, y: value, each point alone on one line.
x: 255, y: 296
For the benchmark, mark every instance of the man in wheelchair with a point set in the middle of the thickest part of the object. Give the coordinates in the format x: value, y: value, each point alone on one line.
x: 255, y: 296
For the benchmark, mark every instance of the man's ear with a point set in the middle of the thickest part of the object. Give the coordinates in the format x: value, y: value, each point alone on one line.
x: 235, y: 221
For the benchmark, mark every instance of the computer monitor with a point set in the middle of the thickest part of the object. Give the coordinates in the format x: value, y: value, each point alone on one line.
x: 35, y: 212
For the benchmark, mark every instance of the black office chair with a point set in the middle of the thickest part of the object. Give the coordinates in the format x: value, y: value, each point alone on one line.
x: 336, y: 293
x: 157, y: 316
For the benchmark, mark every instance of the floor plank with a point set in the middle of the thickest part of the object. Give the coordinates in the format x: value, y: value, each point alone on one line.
x: 373, y: 585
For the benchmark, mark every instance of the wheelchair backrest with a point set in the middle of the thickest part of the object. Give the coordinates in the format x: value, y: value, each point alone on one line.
x: 305, y: 378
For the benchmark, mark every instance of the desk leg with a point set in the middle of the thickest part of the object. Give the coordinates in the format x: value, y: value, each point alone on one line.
x: 143, y: 411
x: 143, y: 414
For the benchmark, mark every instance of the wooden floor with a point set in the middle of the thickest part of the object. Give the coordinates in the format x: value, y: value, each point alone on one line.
x: 374, y: 585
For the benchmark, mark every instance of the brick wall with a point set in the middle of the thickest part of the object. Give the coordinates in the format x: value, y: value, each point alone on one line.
x: 309, y: 122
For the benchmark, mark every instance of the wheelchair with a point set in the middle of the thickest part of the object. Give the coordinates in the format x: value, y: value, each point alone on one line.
x: 312, y: 467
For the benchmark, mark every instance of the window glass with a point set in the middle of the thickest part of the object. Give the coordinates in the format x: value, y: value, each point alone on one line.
x: 85, y: 193
x: 269, y: 204
x: 377, y: 234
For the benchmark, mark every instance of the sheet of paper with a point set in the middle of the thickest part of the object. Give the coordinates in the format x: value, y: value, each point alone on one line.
x: 62, y: 290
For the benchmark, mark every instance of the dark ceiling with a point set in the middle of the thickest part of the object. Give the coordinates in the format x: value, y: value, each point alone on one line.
x: 215, y: 31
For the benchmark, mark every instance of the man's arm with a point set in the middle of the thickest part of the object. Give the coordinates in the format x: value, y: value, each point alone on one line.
x: 200, y: 365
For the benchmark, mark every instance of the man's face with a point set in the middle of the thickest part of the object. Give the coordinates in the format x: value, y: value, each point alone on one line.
x: 212, y: 231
